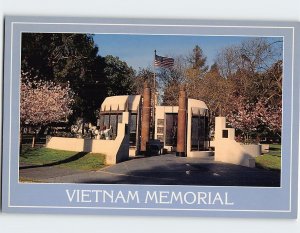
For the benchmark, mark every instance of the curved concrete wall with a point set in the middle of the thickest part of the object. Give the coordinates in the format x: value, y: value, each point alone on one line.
x: 230, y: 151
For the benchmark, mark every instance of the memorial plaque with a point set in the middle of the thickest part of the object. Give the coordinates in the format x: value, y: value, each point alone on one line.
x: 160, y: 138
x: 160, y: 130
x: 160, y: 122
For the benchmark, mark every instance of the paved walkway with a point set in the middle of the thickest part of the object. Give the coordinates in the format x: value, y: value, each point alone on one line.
x: 161, y: 170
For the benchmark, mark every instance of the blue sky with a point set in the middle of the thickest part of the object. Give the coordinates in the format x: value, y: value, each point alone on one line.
x: 138, y: 50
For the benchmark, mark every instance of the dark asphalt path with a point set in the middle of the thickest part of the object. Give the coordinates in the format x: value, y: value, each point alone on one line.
x: 161, y: 170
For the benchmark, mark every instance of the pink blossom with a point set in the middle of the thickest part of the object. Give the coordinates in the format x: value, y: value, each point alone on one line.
x: 43, y: 102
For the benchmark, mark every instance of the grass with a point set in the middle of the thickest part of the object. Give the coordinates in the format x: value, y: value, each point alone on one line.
x: 41, y: 156
x: 29, y: 180
x: 272, y: 160
x: 89, y: 162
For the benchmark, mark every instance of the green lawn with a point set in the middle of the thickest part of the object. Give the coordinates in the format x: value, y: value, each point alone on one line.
x: 272, y: 160
x: 75, y: 160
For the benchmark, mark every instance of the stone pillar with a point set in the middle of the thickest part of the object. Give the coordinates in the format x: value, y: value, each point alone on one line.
x: 146, y: 111
x: 181, y: 130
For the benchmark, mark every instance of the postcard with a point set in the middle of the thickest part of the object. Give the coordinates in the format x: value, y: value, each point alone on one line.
x: 150, y: 117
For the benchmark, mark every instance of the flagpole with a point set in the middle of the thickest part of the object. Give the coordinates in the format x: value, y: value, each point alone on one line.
x: 154, y: 100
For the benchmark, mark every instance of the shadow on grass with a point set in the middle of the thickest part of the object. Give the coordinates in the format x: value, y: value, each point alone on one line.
x: 67, y: 160
x: 274, y: 149
x: 275, y: 155
x: 27, y: 148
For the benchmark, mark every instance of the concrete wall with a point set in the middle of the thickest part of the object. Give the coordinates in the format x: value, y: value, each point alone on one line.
x: 192, y: 103
x: 265, y: 148
x: 200, y: 154
x: 229, y: 151
x: 253, y: 150
x: 115, y: 150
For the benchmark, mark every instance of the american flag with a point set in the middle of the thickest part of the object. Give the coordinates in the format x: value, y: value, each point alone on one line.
x: 163, y: 62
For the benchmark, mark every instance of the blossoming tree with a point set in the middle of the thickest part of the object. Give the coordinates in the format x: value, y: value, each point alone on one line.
x: 243, y: 116
x: 247, y: 116
x: 270, y: 115
x: 43, y: 102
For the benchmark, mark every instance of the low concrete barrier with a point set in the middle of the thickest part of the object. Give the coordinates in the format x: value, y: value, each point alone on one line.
x: 230, y: 151
x: 265, y: 148
x: 115, y: 150
x: 253, y: 150
x: 200, y: 154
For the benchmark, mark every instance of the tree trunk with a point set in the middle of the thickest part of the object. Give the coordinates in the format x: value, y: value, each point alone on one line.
x: 42, y: 131
x: 20, y: 140
x: 33, y: 141
x: 82, y: 132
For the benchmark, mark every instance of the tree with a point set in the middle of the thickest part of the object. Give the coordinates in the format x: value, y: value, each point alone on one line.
x: 270, y: 115
x: 195, y: 72
x: 67, y: 58
x: 73, y: 58
x: 144, y: 75
x: 147, y: 75
x: 187, y: 71
x: 248, y: 117
x: 272, y: 84
x: 243, y: 116
x: 169, y: 81
x: 43, y: 102
x: 252, y: 64
x: 119, y: 77
x: 60, y: 57
x: 197, y: 60
x: 253, y: 56
x: 253, y: 70
x: 216, y: 92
